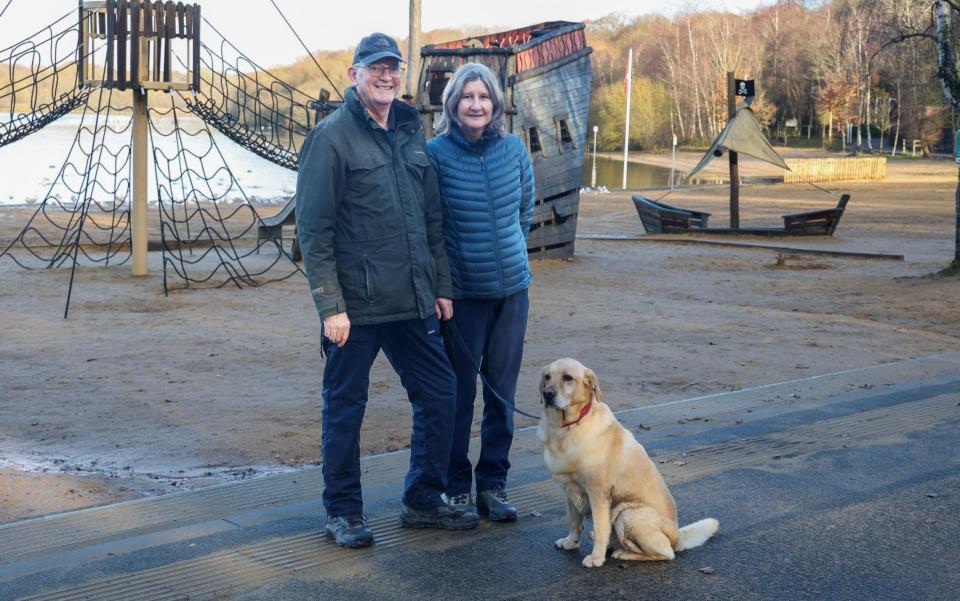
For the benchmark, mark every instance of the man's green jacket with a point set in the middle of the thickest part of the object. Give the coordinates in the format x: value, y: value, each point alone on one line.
x: 369, y: 217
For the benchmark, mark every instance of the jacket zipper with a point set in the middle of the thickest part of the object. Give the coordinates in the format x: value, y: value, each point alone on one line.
x: 413, y: 267
x: 493, y: 221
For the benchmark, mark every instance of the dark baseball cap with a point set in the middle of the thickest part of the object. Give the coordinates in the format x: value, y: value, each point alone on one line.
x: 374, y: 47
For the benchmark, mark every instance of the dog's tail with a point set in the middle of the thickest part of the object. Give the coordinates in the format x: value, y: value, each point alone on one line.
x: 696, y: 534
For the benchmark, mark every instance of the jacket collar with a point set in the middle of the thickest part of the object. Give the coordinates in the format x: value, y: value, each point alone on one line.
x: 459, y: 139
x: 404, y: 114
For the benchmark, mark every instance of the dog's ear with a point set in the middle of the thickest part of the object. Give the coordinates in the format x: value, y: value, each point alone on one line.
x: 590, y: 379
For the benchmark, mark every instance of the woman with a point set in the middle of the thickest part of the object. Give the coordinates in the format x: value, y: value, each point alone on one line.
x: 486, y: 181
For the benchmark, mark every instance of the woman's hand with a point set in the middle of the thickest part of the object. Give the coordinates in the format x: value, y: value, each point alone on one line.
x: 444, y: 309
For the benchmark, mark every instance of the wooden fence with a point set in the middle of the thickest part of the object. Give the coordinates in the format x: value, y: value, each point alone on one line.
x: 831, y: 169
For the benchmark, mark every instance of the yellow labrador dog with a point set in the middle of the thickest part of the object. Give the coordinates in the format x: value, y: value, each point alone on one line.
x: 605, y: 472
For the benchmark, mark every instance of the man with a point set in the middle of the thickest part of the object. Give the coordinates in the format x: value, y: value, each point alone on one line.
x: 369, y: 223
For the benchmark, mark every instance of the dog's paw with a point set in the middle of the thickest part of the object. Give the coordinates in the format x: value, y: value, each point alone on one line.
x: 622, y: 554
x: 567, y: 543
x: 593, y: 561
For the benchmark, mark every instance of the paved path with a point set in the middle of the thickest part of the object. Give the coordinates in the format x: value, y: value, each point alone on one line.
x: 841, y: 486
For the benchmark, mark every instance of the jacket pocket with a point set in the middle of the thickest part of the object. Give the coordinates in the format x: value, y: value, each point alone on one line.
x: 372, y: 210
x: 417, y: 163
x: 366, y: 170
x: 365, y: 280
x: 389, y: 277
x: 350, y: 273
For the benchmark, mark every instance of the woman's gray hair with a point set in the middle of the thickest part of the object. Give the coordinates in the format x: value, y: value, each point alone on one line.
x: 451, y: 98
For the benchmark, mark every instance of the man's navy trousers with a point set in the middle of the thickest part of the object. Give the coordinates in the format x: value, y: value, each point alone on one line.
x: 414, y: 348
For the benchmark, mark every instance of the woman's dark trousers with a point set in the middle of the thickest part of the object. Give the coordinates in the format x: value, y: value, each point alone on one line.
x: 492, y: 331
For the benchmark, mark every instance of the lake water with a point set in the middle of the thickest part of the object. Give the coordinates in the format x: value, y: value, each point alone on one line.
x: 30, y: 166
x: 639, y: 175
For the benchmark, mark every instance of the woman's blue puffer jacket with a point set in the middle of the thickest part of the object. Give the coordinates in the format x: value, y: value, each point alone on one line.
x: 488, y: 201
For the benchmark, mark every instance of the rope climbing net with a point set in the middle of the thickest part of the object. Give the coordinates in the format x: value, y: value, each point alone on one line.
x: 84, y: 215
x: 252, y: 106
x: 208, y: 229
x: 38, y: 80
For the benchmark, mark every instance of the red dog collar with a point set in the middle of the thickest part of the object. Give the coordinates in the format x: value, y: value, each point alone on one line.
x: 583, y: 413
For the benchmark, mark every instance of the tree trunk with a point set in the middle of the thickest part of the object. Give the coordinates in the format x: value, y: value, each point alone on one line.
x: 683, y: 130
x: 956, y: 237
x: 896, y: 136
x: 950, y: 84
x: 696, y: 81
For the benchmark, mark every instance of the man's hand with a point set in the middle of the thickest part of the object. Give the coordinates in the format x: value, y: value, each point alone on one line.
x: 444, y: 309
x: 337, y: 328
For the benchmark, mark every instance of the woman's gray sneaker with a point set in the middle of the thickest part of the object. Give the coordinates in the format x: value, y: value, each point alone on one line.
x: 350, y: 530
x: 494, y: 504
x: 442, y: 516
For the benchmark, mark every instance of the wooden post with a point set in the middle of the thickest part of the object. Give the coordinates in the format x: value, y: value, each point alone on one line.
x: 413, y: 49
x: 734, y: 166
x: 195, y: 43
x: 82, y: 43
x: 626, y: 128
x: 508, y: 89
x: 111, y: 42
x: 138, y: 206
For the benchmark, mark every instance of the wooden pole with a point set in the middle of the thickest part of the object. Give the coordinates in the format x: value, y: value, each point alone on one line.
x: 626, y: 129
x: 138, y: 207
x: 734, y: 166
x: 413, y: 49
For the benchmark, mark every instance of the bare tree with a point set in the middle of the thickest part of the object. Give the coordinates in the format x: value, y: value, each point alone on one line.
x: 944, y: 13
x: 671, y: 49
x: 906, y: 26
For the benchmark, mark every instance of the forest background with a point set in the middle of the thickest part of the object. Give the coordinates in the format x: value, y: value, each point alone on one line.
x: 843, y: 74
x: 839, y: 74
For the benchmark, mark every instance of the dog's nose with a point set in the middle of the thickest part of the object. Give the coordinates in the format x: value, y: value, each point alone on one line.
x: 549, y: 395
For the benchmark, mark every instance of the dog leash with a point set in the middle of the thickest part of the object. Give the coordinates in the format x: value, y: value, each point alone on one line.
x: 450, y: 326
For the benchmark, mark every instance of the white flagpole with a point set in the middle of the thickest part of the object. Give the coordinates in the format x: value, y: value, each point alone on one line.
x: 413, y: 48
x: 626, y: 131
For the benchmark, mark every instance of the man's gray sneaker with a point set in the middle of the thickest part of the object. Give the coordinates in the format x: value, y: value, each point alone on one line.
x: 494, y: 504
x: 463, y: 501
x: 350, y: 530
x: 442, y: 516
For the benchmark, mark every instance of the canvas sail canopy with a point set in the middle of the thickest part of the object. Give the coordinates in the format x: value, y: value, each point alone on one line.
x: 743, y: 135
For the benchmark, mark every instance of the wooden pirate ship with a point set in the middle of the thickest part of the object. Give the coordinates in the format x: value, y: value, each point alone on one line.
x: 743, y: 134
x: 545, y: 73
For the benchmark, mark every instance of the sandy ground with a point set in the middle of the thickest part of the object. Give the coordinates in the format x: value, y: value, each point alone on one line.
x: 140, y: 394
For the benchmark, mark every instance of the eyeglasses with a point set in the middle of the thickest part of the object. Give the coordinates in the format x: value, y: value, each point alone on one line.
x: 377, y: 70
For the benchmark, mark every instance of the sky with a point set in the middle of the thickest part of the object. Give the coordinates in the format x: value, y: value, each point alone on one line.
x: 257, y: 29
